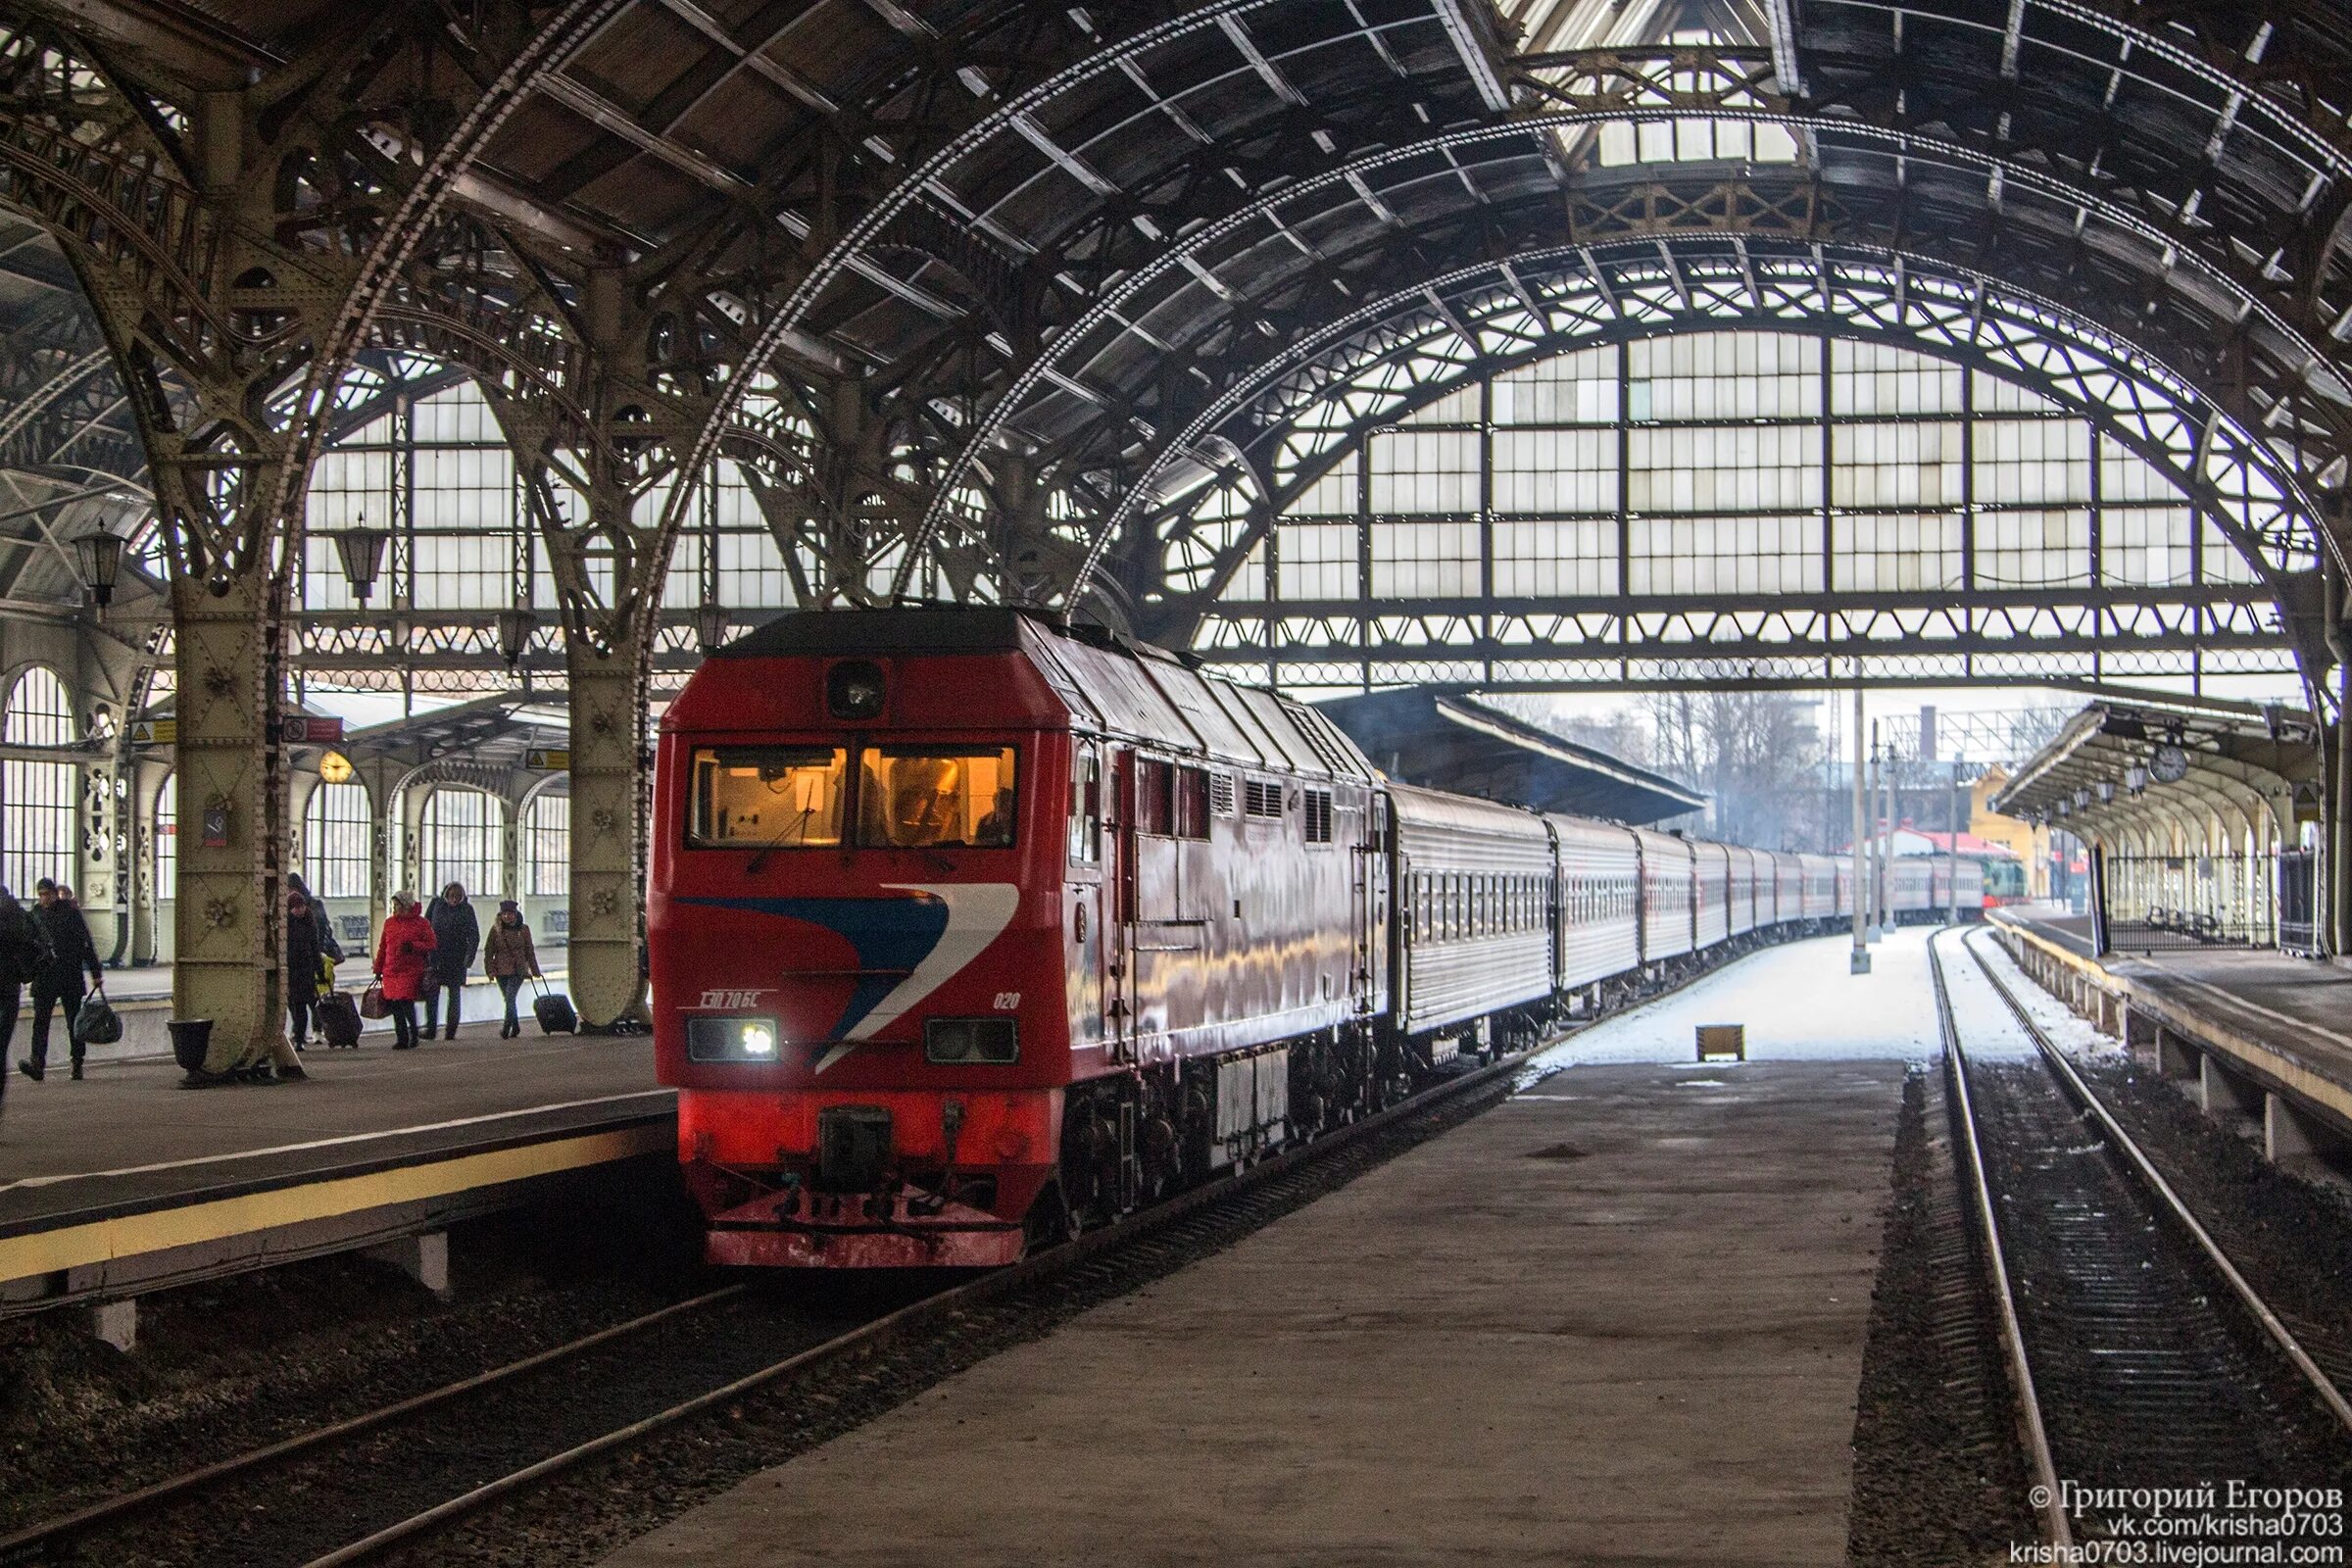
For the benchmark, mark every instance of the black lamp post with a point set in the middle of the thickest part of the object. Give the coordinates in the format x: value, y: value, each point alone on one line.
x: 101, y: 565
x: 362, y: 552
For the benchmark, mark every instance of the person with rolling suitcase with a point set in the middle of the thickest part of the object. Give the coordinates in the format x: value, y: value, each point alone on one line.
x: 303, y: 958
x: 507, y: 957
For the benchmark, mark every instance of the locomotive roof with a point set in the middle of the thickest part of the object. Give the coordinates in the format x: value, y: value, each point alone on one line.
x: 1106, y: 680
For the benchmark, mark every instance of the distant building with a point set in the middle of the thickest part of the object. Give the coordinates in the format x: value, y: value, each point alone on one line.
x: 2028, y: 842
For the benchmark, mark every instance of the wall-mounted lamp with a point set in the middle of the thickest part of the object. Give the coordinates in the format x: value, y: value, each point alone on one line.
x: 2106, y: 791
x: 362, y: 549
x: 101, y: 565
x: 2136, y: 778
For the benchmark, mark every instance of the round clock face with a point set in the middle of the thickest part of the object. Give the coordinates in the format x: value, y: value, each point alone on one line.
x: 2169, y: 764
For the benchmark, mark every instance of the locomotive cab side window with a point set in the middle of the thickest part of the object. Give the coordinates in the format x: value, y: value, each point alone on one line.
x: 924, y: 797
x: 1086, y: 806
x: 767, y: 797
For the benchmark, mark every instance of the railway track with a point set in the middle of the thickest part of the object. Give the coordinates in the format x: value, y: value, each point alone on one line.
x: 2138, y: 1353
x: 206, y: 1501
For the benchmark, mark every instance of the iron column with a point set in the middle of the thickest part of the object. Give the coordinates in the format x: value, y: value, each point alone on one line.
x: 1859, y: 963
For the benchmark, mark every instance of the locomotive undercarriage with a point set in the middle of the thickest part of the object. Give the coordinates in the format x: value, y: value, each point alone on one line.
x: 1128, y: 1139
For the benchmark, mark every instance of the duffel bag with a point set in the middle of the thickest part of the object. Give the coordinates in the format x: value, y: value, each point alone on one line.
x: 96, y: 1022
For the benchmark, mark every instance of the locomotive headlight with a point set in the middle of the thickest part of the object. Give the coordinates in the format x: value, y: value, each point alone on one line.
x: 955, y: 1041
x: 710, y: 1038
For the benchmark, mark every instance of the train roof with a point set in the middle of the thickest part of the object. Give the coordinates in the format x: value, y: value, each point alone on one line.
x: 1108, y: 681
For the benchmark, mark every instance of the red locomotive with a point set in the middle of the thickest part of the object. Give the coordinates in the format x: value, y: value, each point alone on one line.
x: 968, y: 930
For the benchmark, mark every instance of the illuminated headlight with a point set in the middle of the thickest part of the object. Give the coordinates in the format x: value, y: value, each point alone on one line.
x: 968, y: 1039
x: 731, y: 1039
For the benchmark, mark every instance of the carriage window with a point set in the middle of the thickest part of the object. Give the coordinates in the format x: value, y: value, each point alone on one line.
x: 1086, y: 806
x: 1154, y: 797
x: 918, y: 797
x: 767, y: 797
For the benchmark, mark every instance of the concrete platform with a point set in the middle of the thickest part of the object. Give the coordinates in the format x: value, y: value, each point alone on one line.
x: 1619, y: 1318
x: 142, y: 998
x: 2252, y: 1027
x: 126, y: 1182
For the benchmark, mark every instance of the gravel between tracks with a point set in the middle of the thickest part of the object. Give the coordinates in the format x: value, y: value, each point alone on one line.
x: 1939, y: 1478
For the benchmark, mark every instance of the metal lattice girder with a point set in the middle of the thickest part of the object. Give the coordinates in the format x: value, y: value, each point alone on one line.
x: 1407, y: 354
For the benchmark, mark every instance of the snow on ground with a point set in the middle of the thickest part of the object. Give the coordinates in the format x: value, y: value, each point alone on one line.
x: 2074, y: 1035
x: 1799, y: 1004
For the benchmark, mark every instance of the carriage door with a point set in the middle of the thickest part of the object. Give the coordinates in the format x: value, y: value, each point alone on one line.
x: 1119, y: 949
x: 1369, y: 900
x: 1090, y: 946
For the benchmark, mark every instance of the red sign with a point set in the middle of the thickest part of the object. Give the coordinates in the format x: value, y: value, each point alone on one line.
x: 309, y: 729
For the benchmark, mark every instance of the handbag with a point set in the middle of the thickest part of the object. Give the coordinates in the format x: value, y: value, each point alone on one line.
x: 372, y: 1001
x: 95, y: 1022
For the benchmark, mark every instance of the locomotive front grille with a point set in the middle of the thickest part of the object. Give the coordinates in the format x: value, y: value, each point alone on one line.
x: 852, y: 1147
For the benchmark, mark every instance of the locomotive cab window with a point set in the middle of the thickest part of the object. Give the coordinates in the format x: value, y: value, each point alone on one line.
x: 767, y: 797
x: 1086, y: 806
x: 926, y: 797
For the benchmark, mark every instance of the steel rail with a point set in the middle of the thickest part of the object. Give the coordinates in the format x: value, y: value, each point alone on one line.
x: 127, y: 1503
x: 2034, y: 1435
x: 2170, y: 1201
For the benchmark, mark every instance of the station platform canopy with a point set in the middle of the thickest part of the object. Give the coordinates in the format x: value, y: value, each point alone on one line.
x: 2119, y: 764
x: 1458, y: 743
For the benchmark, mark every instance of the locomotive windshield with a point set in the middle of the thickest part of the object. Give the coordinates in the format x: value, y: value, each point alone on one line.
x: 919, y: 797
x: 767, y: 797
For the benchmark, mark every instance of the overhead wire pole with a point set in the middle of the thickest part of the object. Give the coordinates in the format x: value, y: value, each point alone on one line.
x: 1866, y: 894
x: 1952, y: 860
x: 1859, y: 963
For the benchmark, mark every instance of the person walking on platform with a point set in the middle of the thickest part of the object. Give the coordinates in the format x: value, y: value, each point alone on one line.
x: 23, y: 954
x: 402, y: 954
x: 303, y: 959
x: 71, y: 953
x: 329, y: 947
x: 458, y: 937
x: 507, y: 957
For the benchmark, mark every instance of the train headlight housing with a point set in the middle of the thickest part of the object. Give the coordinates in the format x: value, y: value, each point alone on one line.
x: 753, y: 1040
x: 961, y: 1041
x: 854, y: 689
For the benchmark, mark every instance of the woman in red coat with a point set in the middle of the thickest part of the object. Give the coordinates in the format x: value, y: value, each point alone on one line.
x: 400, y: 953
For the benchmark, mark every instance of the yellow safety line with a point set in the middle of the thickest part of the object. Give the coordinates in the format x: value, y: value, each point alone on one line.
x: 2290, y: 1074
x: 192, y: 1224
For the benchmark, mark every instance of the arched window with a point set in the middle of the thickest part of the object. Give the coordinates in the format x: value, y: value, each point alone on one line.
x: 460, y: 843
x: 37, y: 799
x: 166, y: 838
x: 547, y: 841
x: 338, y: 835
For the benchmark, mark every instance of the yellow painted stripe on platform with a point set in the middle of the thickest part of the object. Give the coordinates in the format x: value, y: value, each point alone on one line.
x: 2291, y: 1075
x: 192, y: 1224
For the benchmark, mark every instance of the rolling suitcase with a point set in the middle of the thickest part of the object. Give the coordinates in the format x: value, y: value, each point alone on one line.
x: 553, y: 1008
x: 339, y: 1020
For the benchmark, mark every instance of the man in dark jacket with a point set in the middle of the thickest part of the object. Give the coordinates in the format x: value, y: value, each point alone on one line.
x: 321, y: 923
x: 456, y: 938
x: 70, y: 954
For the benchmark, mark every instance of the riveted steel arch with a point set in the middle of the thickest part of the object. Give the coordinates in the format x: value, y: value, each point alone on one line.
x: 1805, y: 301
